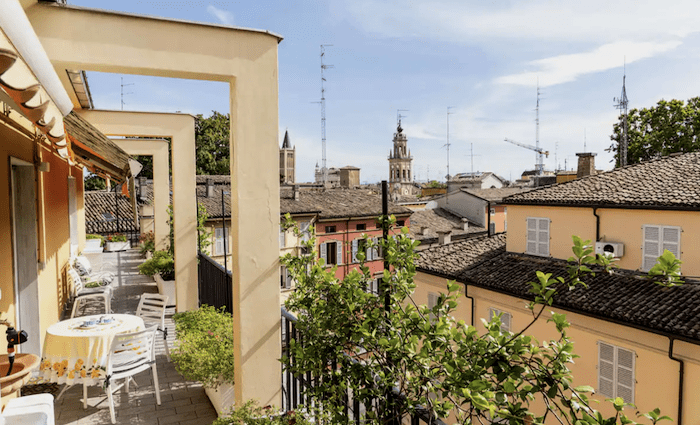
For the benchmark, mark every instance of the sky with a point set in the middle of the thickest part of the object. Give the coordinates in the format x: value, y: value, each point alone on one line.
x: 483, y: 60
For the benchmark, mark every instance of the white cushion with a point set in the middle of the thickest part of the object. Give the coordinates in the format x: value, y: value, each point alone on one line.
x: 82, y: 264
x: 30, y: 410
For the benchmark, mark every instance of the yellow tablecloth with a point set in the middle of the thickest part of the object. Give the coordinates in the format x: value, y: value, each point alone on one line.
x: 77, y: 354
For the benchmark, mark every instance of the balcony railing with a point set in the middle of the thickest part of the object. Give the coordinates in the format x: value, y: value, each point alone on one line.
x: 215, y: 287
x: 293, y: 387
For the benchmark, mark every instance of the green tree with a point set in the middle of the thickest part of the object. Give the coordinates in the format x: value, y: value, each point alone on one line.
x: 95, y: 182
x: 212, y: 143
x: 147, y: 162
x: 433, y: 360
x: 669, y: 127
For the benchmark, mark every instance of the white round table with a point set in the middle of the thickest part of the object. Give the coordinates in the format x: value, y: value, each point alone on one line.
x: 77, y: 354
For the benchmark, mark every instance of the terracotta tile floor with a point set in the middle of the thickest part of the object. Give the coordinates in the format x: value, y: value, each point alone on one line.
x: 182, y: 402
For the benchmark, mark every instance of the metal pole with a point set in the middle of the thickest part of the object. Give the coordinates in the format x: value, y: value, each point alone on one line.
x: 385, y: 217
x: 116, y: 206
x: 223, y: 224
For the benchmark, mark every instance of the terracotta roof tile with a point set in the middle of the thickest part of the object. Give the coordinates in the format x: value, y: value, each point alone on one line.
x: 439, y: 220
x: 452, y: 259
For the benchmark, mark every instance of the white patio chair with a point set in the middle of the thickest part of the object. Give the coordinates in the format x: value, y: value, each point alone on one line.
x: 81, y: 294
x: 129, y: 355
x: 152, y: 310
x: 85, y: 269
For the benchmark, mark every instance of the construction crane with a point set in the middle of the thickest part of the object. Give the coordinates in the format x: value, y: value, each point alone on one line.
x: 539, y: 165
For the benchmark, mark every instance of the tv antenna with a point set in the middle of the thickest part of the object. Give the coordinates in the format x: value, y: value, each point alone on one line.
x: 323, y: 111
x: 399, y: 116
x: 538, y: 158
x: 471, y: 154
x: 122, y: 91
x: 621, y: 104
x: 447, y: 177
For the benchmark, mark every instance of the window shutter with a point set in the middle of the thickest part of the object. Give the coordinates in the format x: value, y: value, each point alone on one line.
x: 377, y: 250
x: 606, y: 369
x: 339, y: 253
x: 506, y: 319
x: 625, y: 375
x: 218, y: 241
x: 288, y: 281
x: 323, y: 253
x: 432, y: 302
x: 651, y: 247
x: 354, y: 251
x: 531, y: 236
x: 671, y: 240
x: 283, y: 276
x: 369, y: 252
x: 304, y: 229
x: 283, y: 241
x: 543, y: 236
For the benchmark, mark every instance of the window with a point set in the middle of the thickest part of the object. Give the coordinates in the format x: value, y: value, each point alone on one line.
x: 373, y: 286
x: 219, y: 242
x: 616, y: 372
x: 400, y: 223
x: 492, y: 211
x: 361, y: 226
x: 538, y: 236
x: 305, y: 229
x: 492, y: 228
x: 330, y: 229
x: 285, y: 278
x: 506, y: 318
x: 331, y: 252
x: 283, y: 237
x: 371, y: 254
x: 656, y: 240
x: 432, y: 302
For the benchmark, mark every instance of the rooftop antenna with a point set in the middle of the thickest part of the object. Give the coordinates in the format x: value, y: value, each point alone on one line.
x: 621, y: 104
x: 472, y: 157
x: 399, y: 116
x: 538, y: 158
x: 122, y: 91
x: 584, y: 140
x: 428, y: 176
x: 324, y: 169
x: 447, y: 194
x: 556, y: 151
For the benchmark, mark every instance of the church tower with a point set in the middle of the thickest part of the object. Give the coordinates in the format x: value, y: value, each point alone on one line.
x: 400, y: 173
x: 287, y: 159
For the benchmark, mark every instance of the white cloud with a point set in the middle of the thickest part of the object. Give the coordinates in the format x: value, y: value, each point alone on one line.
x: 467, y: 22
x: 566, y: 68
x: 224, y: 16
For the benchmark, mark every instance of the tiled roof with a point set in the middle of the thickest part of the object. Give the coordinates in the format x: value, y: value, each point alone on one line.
x: 98, y: 202
x: 332, y: 203
x: 671, y: 182
x: 451, y: 260
x: 623, y: 296
x: 495, y: 194
x: 336, y: 203
x: 439, y: 220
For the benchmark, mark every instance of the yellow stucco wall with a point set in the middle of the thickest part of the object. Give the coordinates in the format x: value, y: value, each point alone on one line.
x: 616, y: 225
x: 656, y: 375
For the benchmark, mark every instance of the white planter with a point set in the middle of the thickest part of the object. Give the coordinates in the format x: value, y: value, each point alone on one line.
x: 167, y: 287
x: 117, y: 246
x: 93, y: 245
x: 221, y: 398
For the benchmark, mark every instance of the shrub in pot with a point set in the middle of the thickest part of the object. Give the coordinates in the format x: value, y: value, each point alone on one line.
x: 92, y: 236
x: 161, y: 263
x: 147, y: 243
x: 252, y: 414
x: 116, y: 242
x: 204, y: 351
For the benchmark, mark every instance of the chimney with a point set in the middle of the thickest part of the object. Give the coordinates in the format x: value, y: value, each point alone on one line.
x: 295, y: 191
x: 444, y: 237
x: 465, y: 224
x: 586, y: 164
x: 422, y: 230
x: 210, y: 188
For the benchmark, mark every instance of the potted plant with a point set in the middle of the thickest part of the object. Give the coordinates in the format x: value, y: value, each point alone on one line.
x: 93, y: 243
x: 162, y: 268
x: 204, y: 352
x: 147, y: 244
x: 251, y: 413
x: 117, y: 242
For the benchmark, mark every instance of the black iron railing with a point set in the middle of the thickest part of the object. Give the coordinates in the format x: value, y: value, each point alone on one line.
x: 293, y: 387
x: 215, y: 286
x: 106, y: 228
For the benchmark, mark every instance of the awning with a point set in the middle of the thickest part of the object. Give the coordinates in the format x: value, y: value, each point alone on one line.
x: 94, y: 150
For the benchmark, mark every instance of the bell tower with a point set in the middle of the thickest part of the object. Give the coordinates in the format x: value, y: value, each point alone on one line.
x: 400, y: 172
x: 287, y: 160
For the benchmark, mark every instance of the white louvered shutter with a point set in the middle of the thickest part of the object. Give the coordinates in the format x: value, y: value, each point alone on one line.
x: 377, y: 252
x: 323, y: 253
x: 369, y: 251
x: 218, y: 241
x: 432, y: 302
x: 625, y: 375
x: 339, y: 252
x: 354, y: 251
x: 542, y: 236
x: 304, y: 229
x: 506, y: 319
x: 606, y: 369
x: 283, y: 239
x: 283, y: 276
x: 651, y: 247
x: 531, y: 236
x: 671, y: 240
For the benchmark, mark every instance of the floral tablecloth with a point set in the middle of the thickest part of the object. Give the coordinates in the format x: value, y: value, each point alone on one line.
x: 77, y: 354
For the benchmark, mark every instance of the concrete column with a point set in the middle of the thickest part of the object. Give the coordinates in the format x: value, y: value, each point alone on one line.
x: 158, y: 149
x: 255, y: 218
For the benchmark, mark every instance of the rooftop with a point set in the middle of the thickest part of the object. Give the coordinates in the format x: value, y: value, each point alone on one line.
x: 623, y: 296
x: 668, y: 182
x: 439, y: 220
x: 451, y: 260
x: 495, y: 194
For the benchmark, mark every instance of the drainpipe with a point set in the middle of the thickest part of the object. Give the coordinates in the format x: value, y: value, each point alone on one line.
x: 348, y: 247
x: 597, y: 224
x: 681, y: 374
x: 488, y: 214
x: 466, y: 294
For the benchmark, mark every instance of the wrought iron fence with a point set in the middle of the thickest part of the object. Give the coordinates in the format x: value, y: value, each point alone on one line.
x: 293, y: 387
x: 106, y: 228
x: 215, y: 284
